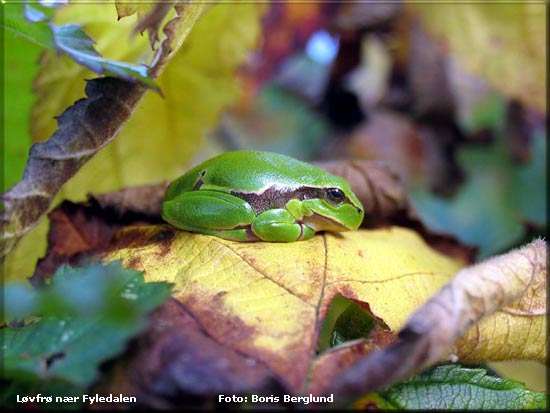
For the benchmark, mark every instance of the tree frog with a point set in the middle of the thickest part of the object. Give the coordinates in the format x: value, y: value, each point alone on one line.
x: 260, y: 196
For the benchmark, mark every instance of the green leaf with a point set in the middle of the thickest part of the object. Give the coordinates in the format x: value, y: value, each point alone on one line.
x: 15, y: 21
x: 20, y: 68
x: 71, y: 40
x: 87, y: 316
x: 462, y: 388
x: 354, y: 323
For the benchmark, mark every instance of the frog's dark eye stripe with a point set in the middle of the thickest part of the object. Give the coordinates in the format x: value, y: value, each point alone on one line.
x: 335, y: 195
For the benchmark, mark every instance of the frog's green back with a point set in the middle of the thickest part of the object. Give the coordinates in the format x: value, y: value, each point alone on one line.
x: 253, y: 171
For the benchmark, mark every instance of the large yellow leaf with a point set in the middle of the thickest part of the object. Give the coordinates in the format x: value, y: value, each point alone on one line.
x: 503, y: 43
x: 198, y: 84
x: 268, y: 300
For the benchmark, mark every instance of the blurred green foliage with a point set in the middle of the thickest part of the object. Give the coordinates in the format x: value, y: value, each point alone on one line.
x: 83, y: 317
x: 499, y: 196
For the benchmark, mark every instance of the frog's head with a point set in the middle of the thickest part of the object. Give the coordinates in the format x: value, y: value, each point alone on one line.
x: 336, y: 208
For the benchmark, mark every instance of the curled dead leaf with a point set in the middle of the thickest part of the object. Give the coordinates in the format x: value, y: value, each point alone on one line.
x: 489, y: 289
x: 152, y: 20
x: 143, y: 200
x: 150, y: 16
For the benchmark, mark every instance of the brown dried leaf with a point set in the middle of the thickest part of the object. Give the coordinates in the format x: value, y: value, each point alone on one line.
x: 499, y: 289
x: 77, y: 230
x: 177, y: 353
x: 150, y: 16
x: 142, y: 200
x: 74, y: 230
x: 152, y: 20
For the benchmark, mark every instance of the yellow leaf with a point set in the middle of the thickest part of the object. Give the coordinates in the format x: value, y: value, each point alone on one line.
x: 268, y: 300
x: 125, y: 9
x: 21, y: 263
x: 503, y: 43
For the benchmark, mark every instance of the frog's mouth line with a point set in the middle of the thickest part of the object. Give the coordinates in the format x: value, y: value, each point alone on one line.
x: 319, y: 222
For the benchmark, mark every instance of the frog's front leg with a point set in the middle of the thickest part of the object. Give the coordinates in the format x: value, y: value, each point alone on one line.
x: 212, y: 213
x: 279, y: 225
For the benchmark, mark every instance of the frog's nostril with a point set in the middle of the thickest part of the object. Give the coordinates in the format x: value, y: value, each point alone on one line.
x: 359, y: 211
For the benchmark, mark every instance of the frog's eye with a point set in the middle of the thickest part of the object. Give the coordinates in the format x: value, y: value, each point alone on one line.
x: 335, y: 195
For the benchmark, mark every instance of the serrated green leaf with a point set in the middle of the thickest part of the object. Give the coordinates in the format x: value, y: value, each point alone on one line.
x: 462, y: 388
x: 87, y: 316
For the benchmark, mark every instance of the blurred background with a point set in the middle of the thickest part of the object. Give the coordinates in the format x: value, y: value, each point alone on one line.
x: 450, y: 96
